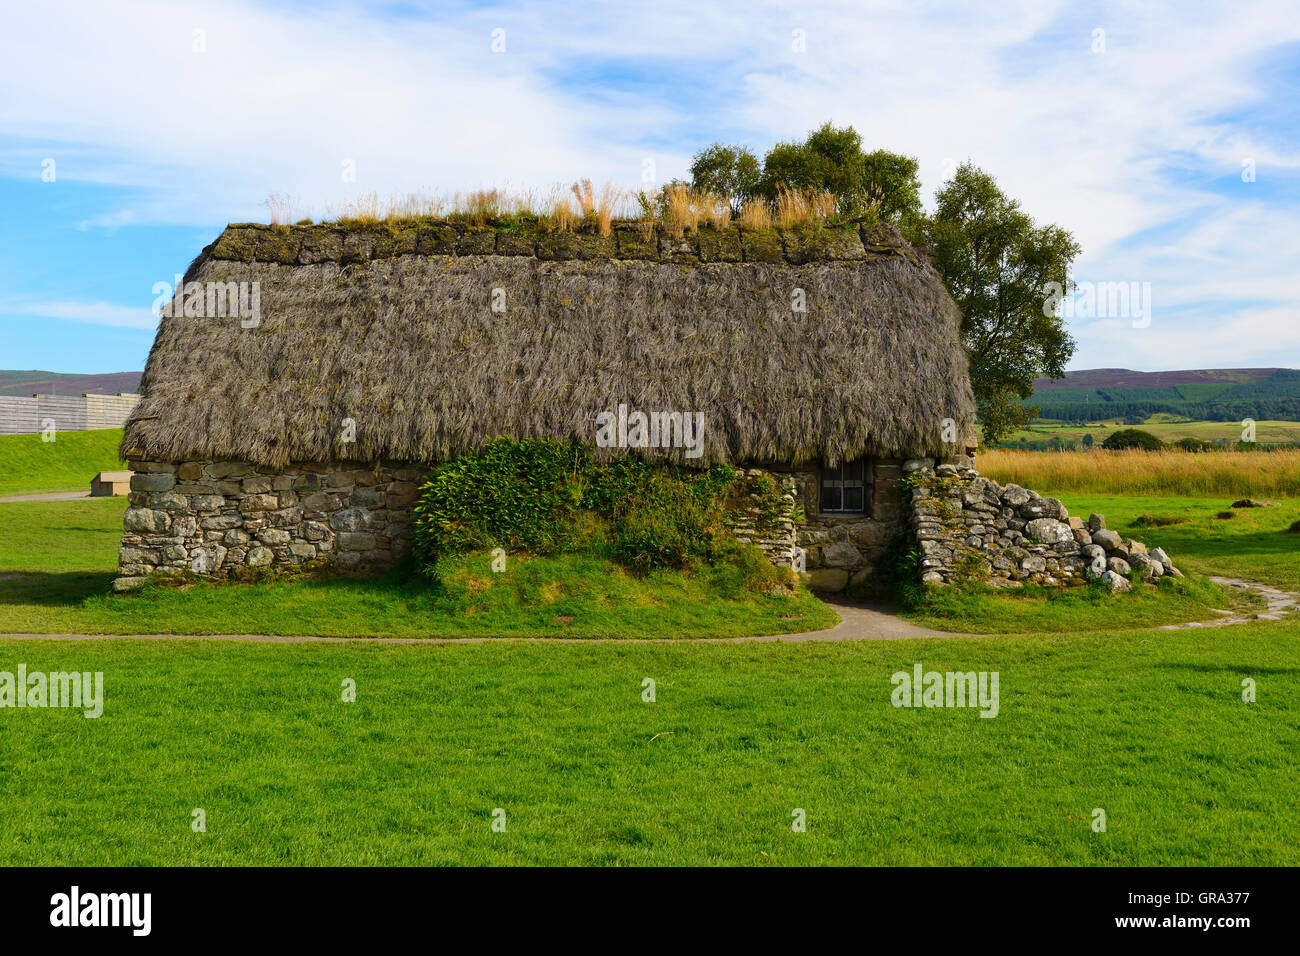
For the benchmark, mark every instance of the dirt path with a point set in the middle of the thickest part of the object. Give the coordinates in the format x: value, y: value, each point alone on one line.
x: 1280, y: 604
x: 859, y: 621
x: 48, y: 496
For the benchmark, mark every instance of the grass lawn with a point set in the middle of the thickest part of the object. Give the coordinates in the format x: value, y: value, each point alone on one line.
x: 29, y: 465
x: 1149, y: 726
x: 1151, y: 729
x: 66, y: 551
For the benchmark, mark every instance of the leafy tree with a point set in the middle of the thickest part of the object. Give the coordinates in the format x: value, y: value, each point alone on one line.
x: 1087, y: 440
x: 832, y: 159
x: 1132, y: 438
x: 731, y: 171
x: 997, y: 265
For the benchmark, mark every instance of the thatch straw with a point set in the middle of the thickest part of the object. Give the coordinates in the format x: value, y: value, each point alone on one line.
x: 410, y: 348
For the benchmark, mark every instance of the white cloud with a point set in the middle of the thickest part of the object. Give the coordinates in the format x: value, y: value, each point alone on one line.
x: 97, y: 313
x: 1093, y: 141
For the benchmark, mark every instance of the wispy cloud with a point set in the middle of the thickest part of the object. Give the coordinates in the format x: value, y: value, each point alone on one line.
x: 1136, y: 142
x: 96, y: 313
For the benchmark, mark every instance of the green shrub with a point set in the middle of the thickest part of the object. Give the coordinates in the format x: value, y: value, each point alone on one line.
x: 546, y: 496
x: 1132, y: 438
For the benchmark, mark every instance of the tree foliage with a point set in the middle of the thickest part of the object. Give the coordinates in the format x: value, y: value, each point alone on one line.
x: 730, y: 171
x: 997, y: 264
x: 878, y: 184
x: 1132, y: 438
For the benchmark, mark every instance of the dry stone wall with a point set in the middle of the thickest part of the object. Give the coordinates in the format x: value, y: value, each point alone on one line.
x: 967, y: 526
x: 224, y: 518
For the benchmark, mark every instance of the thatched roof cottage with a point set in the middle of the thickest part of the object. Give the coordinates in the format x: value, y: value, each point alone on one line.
x: 305, y: 378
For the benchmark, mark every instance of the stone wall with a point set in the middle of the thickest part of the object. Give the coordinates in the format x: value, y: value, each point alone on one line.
x: 222, y: 518
x: 843, y: 550
x: 763, y: 515
x: 967, y: 527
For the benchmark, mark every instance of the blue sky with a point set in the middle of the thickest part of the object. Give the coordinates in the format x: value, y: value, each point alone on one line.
x: 1133, y: 137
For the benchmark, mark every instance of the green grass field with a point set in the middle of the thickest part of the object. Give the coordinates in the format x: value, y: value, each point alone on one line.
x: 1150, y: 729
x: 1161, y: 426
x: 1094, y: 712
x: 29, y: 465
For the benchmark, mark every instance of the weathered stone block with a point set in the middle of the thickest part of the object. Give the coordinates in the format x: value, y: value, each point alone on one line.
x: 356, y: 541
x: 161, y: 481
x: 350, y: 519
x: 146, y: 520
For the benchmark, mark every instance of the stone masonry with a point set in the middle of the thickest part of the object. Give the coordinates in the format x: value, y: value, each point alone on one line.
x: 966, y: 526
x: 843, y: 550
x: 221, y: 518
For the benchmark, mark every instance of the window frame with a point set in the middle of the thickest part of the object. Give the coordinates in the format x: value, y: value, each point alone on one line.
x: 842, y: 477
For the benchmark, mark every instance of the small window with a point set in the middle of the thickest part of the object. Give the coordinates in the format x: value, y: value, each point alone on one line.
x: 846, y: 488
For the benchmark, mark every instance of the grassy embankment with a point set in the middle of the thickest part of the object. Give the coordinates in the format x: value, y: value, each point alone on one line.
x: 29, y: 465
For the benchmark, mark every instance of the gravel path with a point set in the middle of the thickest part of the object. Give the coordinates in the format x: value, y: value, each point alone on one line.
x: 48, y: 496
x: 859, y: 621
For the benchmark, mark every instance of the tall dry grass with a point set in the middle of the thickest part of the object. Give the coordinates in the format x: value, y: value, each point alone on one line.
x: 677, y: 208
x: 1230, y: 474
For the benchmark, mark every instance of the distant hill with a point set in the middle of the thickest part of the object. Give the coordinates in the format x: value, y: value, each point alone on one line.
x: 1218, y: 395
x: 35, y: 382
x: 1127, y: 378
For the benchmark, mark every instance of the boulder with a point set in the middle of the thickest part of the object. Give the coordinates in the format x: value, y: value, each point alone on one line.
x: 841, y: 554
x: 1049, y: 530
x: 1033, y: 564
x: 1096, y: 522
x: 1117, y: 583
x: 1119, y: 566
x: 1107, y: 539
x: 1013, y: 496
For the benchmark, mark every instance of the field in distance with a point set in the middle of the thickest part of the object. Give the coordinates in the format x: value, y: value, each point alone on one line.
x: 1167, y: 428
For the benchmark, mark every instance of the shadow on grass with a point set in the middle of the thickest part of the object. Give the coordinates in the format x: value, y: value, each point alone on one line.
x: 55, y: 589
x: 1248, y: 669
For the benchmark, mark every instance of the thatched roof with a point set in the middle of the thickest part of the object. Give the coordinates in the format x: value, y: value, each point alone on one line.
x: 393, y: 327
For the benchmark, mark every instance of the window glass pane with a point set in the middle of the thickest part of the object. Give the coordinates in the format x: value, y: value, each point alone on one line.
x: 853, y: 499
x: 831, y: 498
